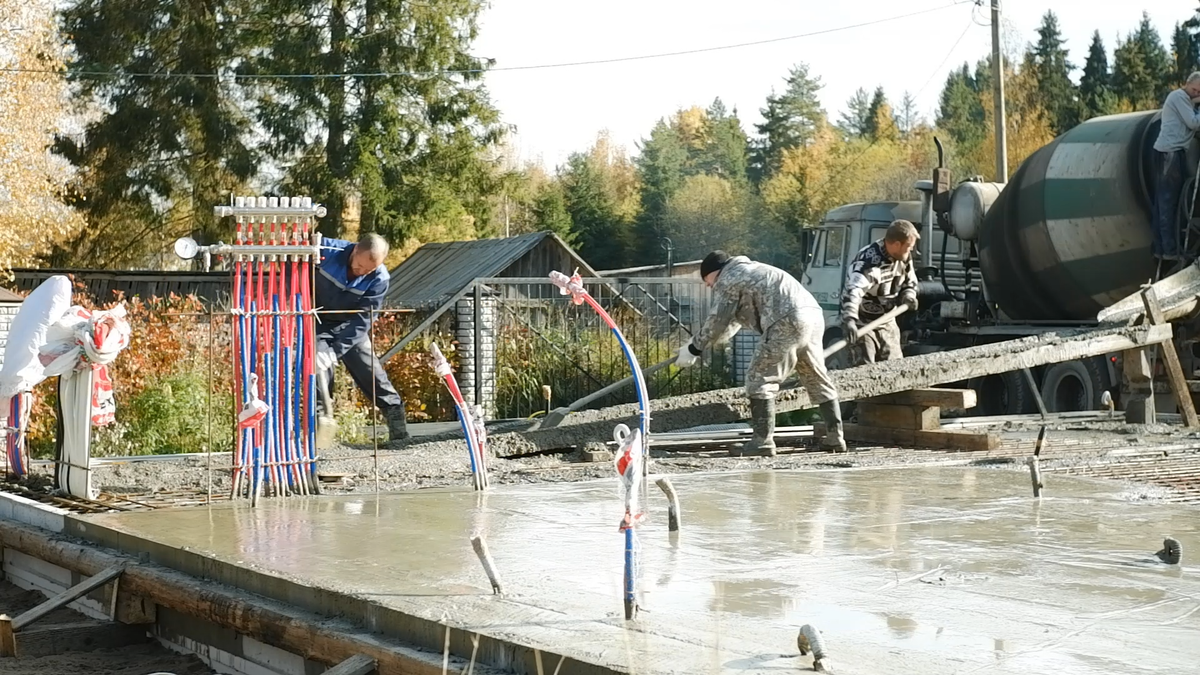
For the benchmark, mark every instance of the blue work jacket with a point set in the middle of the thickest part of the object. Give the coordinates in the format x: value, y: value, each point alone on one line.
x: 336, y: 291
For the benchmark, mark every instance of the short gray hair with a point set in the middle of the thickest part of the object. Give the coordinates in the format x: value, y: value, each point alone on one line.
x: 1194, y: 77
x: 901, y: 231
x: 373, y: 245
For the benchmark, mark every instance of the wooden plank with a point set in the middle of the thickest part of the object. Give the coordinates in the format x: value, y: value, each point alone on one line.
x: 1179, y: 386
x: 853, y: 384
x: 84, y: 636
x: 78, y: 590
x: 359, y: 664
x: 898, y: 416
x: 962, y: 399
x: 962, y: 441
x: 8, y: 641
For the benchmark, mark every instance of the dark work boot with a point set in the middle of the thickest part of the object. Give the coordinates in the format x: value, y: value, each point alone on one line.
x: 762, y: 421
x: 397, y: 427
x: 833, y: 440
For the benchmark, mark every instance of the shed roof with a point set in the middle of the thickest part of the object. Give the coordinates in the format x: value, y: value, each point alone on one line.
x: 8, y: 296
x: 435, y: 272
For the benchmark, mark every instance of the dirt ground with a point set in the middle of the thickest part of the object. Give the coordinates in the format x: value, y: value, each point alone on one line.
x: 144, y: 659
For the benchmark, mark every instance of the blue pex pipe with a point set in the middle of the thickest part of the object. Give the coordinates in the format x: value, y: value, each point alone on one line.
x: 277, y: 407
x: 462, y: 421
x: 297, y: 404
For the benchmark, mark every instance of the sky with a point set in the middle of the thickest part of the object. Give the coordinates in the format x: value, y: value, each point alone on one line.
x: 561, y: 110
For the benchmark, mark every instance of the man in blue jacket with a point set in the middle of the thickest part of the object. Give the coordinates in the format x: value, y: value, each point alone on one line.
x: 351, y: 276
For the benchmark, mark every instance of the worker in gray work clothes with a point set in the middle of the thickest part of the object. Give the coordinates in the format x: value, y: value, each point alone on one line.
x: 1180, y: 121
x: 881, y: 277
x: 772, y: 303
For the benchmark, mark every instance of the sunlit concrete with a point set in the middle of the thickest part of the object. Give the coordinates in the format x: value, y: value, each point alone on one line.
x: 917, y: 570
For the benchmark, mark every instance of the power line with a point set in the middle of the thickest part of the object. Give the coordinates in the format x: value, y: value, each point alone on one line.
x: 472, y: 71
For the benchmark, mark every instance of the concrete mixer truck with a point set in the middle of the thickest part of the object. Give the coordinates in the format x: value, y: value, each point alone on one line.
x: 1068, y: 236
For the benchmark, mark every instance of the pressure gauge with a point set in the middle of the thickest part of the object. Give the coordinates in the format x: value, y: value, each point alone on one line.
x: 186, y: 248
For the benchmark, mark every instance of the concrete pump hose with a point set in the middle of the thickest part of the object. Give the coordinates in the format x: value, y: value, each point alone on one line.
x: 809, y: 640
x: 1172, y: 551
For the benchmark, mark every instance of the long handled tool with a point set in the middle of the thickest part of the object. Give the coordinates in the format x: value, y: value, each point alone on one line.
x: 326, y: 424
x: 556, y: 417
x: 841, y: 344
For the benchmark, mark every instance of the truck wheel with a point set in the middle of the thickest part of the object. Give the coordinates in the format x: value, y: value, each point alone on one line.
x: 1004, y: 394
x: 839, y: 360
x: 1073, y: 386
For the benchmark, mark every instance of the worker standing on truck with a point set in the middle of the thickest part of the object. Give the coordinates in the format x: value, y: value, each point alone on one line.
x: 881, y: 277
x: 1180, y: 121
x: 351, y: 281
x: 772, y: 303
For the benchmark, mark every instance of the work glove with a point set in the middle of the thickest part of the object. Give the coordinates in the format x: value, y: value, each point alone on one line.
x: 686, y: 357
x: 326, y: 359
x: 908, y: 300
x: 850, y: 330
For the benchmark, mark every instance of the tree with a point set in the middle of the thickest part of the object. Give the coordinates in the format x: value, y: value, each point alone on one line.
x: 855, y: 120
x: 1184, y: 53
x: 661, y: 166
x: 550, y: 212
x: 961, y: 112
x: 163, y: 150
x: 1052, y: 72
x: 1095, y: 87
x: 32, y: 217
x: 706, y: 213
x: 600, y: 189
x: 407, y: 146
x: 881, y: 124
x: 1141, y: 68
x: 907, y: 117
x: 726, y: 150
x: 793, y: 119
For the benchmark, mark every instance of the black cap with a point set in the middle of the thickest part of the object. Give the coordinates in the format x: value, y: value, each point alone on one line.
x: 713, y: 262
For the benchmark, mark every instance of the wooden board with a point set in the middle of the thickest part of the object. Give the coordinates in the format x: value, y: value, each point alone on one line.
x: 62, y: 599
x: 886, y: 416
x: 962, y: 399
x: 935, y: 440
x: 359, y: 664
x: 83, y: 636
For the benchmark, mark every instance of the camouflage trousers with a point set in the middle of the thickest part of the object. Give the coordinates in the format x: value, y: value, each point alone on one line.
x: 793, y: 343
x: 881, y: 344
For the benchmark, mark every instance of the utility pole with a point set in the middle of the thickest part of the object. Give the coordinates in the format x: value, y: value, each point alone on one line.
x: 1000, y: 124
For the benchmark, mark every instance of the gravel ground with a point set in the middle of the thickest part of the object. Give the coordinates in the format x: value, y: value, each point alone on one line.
x: 133, y: 660
x: 441, y: 463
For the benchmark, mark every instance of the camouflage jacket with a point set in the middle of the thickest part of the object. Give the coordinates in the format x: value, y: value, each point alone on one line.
x: 750, y: 294
x: 876, y: 283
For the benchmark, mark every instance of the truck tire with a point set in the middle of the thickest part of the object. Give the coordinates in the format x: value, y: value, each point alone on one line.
x: 1004, y: 394
x: 839, y: 360
x: 1074, y: 386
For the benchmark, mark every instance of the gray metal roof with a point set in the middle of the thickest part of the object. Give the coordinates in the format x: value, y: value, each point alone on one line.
x: 436, y: 272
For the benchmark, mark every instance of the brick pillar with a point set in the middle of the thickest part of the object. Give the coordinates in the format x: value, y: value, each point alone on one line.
x: 465, y: 334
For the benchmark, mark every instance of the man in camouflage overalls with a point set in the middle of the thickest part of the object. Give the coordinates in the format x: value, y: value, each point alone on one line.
x: 881, y: 277
x: 772, y: 303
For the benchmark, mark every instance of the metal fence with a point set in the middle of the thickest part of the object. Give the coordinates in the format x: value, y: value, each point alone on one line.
x: 517, y: 336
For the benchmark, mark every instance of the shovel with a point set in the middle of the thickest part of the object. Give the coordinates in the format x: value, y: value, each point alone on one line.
x: 326, y: 424
x: 841, y: 344
x: 556, y: 417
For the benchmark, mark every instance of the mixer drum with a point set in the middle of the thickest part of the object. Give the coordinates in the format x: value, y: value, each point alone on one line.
x: 1070, y: 233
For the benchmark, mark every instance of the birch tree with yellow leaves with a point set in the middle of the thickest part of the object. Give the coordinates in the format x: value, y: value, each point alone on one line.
x: 32, y: 107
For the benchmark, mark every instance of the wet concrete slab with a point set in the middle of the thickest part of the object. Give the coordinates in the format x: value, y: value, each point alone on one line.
x: 919, y: 570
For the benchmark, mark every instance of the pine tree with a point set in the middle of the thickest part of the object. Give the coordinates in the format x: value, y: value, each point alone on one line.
x: 600, y: 230
x: 1052, y: 71
x: 406, y: 145
x: 1095, y: 87
x: 661, y: 167
x: 1184, y: 54
x: 550, y: 212
x: 855, y: 120
x: 791, y: 120
x: 961, y: 112
x: 166, y: 149
x: 1141, y: 68
x: 881, y: 123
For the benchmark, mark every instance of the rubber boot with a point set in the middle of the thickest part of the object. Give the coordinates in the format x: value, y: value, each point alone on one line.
x: 762, y: 421
x: 833, y: 439
x: 397, y: 426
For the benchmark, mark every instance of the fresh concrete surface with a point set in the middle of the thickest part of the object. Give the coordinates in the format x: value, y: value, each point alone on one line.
x: 921, y: 570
